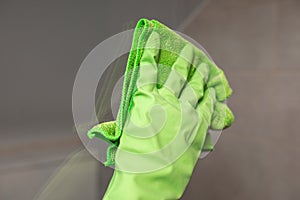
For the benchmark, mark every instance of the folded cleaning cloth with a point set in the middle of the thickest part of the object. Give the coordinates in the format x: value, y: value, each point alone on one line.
x: 171, y: 45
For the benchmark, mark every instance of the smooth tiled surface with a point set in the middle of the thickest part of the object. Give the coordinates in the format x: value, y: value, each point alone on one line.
x: 73, y: 176
x: 289, y: 41
x: 19, y: 183
x: 238, y: 34
x: 257, y: 45
x: 76, y: 178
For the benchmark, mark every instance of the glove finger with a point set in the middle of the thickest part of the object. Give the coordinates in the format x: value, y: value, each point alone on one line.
x: 205, y: 107
x: 179, y: 72
x: 218, y: 81
x: 204, y: 110
x: 148, y: 64
x: 193, y: 90
x: 222, y: 116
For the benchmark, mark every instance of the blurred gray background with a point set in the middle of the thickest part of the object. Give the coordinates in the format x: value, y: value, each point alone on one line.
x: 256, y: 43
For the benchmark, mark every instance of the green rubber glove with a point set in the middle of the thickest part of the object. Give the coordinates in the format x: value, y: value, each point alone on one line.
x: 165, y: 128
x: 164, y: 117
x: 171, y: 45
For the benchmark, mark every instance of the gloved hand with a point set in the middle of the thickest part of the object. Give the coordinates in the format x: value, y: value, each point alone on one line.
x: 165, y: 128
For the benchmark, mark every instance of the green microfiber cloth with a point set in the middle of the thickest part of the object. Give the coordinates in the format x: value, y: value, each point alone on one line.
x: 171, y: 46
